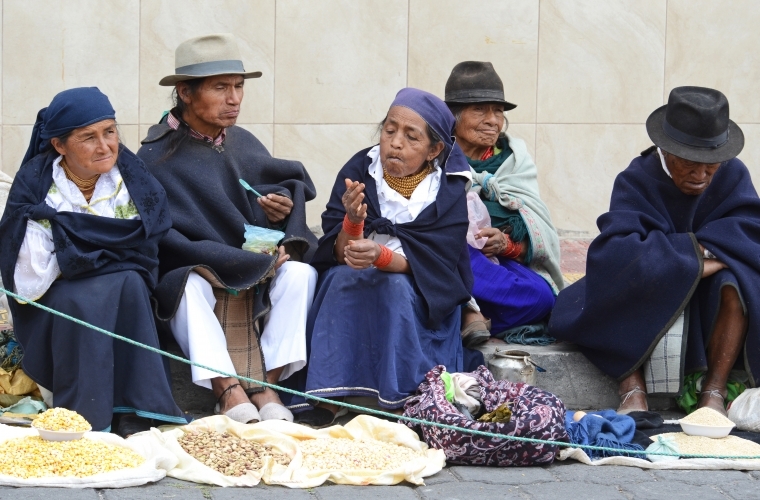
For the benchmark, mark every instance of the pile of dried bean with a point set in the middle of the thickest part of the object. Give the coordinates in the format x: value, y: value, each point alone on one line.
x: 228, y: 454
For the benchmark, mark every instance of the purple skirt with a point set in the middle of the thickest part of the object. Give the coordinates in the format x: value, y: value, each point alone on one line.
x: 509, y: 293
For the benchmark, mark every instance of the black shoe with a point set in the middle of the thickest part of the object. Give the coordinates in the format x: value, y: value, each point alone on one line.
x: 129, y: 424
x: 316, y: 418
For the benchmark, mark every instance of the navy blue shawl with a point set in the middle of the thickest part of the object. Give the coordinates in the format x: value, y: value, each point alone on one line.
x: 87, y: 245
x: 644, y: 267
x: 434, y: 243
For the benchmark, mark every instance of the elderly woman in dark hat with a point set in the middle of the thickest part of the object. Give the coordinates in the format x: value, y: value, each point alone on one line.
x: 672, y: 284
x: 80, y: 235
x: 516, y: 268
x: 393, y: 264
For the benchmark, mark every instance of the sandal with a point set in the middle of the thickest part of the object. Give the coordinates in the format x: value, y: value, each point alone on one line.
x: 626, y: 396
x: 476, y: 333
x: 319, y: 417
x: 275, y: 411
x: 245, y: 413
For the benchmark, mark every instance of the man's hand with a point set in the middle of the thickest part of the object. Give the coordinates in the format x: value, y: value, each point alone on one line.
x: 282, y: 257
x: 496, y: 243
x: 276, y: 207
x: 360, y: 254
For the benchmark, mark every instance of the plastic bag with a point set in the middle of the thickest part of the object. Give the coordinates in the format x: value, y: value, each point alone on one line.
x: 744, y: 411
x: 664, y: 444
x: 262, y: 240
x: 479, y: 219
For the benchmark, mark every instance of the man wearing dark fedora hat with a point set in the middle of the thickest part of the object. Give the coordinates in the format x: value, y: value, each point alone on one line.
x: 516, y: 269
x: 671, y: 299
x: 228, y: 308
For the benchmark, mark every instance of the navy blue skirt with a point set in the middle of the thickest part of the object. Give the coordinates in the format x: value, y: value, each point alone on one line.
x: 368, y: 337
x: 90, y: 372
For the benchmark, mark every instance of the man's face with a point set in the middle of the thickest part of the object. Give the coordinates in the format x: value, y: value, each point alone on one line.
x: 690, y: 177
x: 216, y: 104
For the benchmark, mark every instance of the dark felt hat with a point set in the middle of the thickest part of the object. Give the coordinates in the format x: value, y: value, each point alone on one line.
x: 475, y: 81
x: 694, y: 125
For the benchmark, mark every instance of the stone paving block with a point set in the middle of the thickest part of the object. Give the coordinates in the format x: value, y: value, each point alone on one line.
x: 445, y: 476
x: 345, y: 492
x: 755, y: 474
x: 166, y: 488
x: 662, y: 490
x: 572, y: 489
x: 262, y: 491
x: 608, y: 474
x: 47, y: 494
x: 470, y: 491
x: 742, y: 490
x: 700, y: 477
x: 503, y: 475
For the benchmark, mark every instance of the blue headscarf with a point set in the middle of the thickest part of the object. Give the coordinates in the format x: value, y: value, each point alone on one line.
x: 436, y: 113
x: 70, y: 109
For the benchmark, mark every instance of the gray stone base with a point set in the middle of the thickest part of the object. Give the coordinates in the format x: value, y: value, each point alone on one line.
x: 571, y: 377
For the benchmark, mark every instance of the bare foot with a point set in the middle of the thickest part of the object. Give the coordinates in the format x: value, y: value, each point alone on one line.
x: 232, y: 397
x: 633, y: 396
x: 713, y: 399
x: 470, y: 316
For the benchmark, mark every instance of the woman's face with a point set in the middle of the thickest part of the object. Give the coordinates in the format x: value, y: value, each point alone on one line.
x: 690, y: 177
x: 405, y: 147
x: 90, y: 150
x: 480, y: 124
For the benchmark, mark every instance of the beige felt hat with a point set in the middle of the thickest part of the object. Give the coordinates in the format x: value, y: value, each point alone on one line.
x: 208, y: 55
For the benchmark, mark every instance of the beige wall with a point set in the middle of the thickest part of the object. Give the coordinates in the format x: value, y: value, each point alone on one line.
x: 584, y: 73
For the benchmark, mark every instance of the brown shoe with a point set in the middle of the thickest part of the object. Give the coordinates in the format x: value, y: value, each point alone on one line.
x: 476, y: 333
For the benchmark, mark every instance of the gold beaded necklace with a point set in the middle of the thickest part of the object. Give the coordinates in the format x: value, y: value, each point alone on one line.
x: 405, y: 186
x: 86, y: 186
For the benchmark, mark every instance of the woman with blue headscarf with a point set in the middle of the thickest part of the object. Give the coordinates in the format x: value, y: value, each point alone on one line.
x: 393, y: 264
x: 80, y: 235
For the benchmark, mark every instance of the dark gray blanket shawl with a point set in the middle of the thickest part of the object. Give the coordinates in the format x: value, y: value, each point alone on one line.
x: 209, y: 208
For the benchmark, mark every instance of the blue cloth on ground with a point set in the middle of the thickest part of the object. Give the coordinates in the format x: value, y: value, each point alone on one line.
x: 603, y: 428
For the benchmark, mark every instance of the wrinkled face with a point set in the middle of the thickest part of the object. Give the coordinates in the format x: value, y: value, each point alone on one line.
x: 690, y: 177
x: 405, y: 147
x: 90, y: 150
x: 217, y: 102
x: 480, y: 124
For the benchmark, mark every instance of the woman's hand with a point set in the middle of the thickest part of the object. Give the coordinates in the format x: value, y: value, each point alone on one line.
x: 352, y: 201
x: 360, y: 254
x: 276, y: 207
x: 497, y: 241
x: 712, y: 266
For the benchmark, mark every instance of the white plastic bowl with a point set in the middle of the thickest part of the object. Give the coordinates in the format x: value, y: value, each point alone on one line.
x: 710, y: 431
x: 60, y: 435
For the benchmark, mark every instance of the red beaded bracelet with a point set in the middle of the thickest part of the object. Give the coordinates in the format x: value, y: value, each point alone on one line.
x: 385, y: 258
x: 352, y: 229
x: 513, y: 249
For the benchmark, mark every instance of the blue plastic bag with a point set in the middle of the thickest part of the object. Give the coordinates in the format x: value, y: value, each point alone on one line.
x: 262, y: 240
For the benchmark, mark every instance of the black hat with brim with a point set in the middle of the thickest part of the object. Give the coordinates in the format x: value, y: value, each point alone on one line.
x: 694, y: 125
x: 474, y: 82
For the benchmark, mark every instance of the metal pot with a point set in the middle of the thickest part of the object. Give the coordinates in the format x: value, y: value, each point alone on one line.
x: 513, y: 365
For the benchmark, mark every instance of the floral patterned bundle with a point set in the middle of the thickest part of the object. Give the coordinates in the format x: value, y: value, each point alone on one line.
x: 535, y: 414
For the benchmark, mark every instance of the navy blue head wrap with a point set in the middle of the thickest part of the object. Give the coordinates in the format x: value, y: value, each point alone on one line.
x: 70, y: 109
x: 436, y: 113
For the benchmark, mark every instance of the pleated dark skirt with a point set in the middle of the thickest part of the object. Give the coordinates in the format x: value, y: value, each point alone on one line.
x: 90, y: 372
x: 368, y: 337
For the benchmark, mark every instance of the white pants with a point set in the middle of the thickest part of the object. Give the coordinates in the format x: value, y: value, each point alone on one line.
x: 283, y: 340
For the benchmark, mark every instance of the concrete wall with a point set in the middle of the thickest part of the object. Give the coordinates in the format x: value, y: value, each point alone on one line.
x: 584, y: 73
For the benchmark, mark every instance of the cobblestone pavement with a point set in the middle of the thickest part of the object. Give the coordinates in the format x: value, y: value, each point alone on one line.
x: 559, y: 481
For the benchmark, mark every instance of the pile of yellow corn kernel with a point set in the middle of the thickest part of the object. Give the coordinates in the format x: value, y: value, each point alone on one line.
x: 61, y: 419
x: 32, y: 456
x: 351, y: 454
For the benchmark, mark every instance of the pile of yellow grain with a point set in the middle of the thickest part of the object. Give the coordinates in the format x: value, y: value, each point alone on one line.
x: 32, y: 456
x: 709, y: 417
x: 701, y: 445
x: 350, y: 454
x: 61, y: 419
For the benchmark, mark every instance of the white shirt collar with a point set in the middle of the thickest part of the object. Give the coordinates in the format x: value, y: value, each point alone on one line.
x: 662, y: 162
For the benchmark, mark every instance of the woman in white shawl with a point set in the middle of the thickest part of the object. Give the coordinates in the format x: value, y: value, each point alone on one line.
x: 517, y: 273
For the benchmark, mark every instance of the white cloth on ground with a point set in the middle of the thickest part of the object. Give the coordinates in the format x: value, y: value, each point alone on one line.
x: 37, y: 266
x: 283, y: 339
x: 395, y: 207
x: 465, y: 387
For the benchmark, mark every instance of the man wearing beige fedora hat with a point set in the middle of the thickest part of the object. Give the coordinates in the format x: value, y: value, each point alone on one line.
x: 230, y: 309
